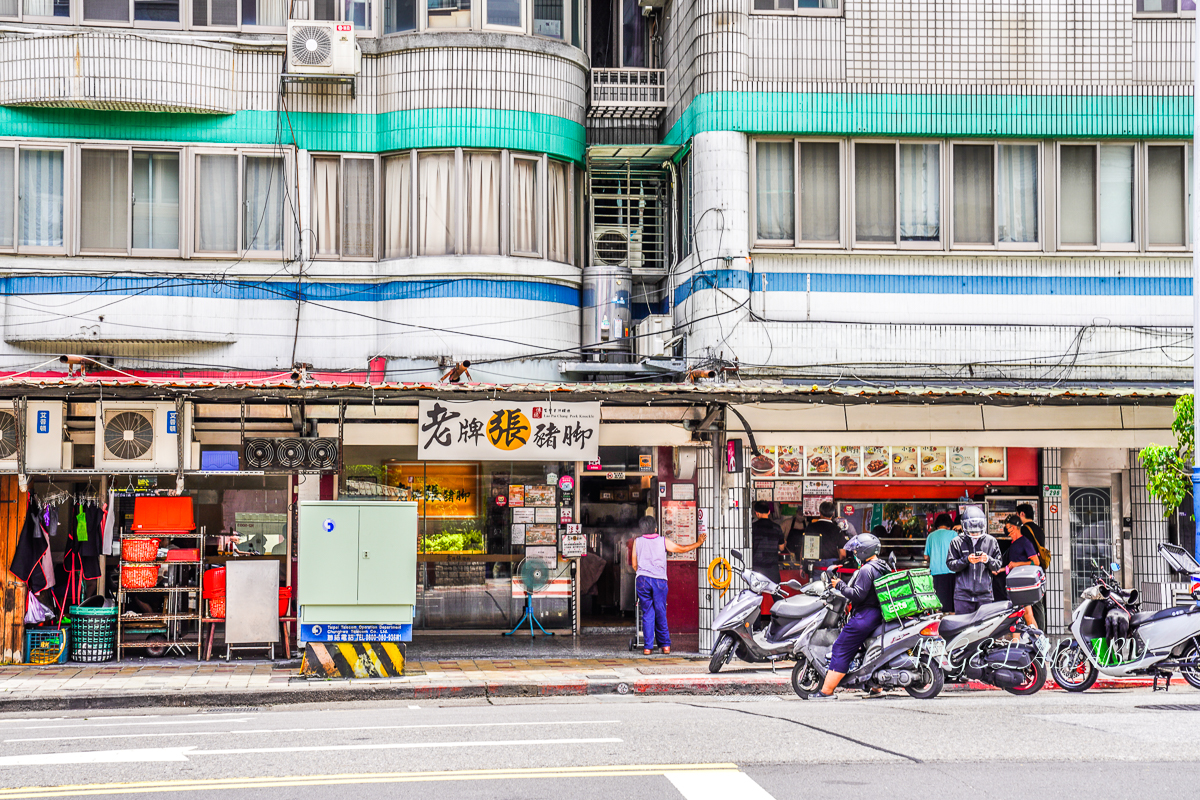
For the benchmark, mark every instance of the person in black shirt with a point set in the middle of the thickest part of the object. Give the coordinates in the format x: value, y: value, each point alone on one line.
x: 767, y: 541
x: 832, y: 536
x: 1022, y: 551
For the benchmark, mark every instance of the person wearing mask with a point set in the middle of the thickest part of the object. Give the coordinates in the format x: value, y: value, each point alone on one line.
x: 767, y: 541
x: 937, y: 546
x: 1038, y: 537
x: 866, y: 615
x: 974, y: 555
x: 833, y: 538
x: 650, y: 563
x: 1022, y: 551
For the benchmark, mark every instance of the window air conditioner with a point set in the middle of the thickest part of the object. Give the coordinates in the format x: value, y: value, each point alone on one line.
x: 322, y: 48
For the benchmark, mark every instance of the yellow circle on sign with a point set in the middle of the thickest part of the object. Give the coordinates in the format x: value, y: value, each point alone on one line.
x: 508, y: 429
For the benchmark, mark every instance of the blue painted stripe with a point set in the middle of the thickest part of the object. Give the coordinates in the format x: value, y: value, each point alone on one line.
x: 933, y: 284
x: 312, y: 291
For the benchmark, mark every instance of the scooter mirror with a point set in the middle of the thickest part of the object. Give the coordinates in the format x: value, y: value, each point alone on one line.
x: 736, y: 554
x: 1115, y: 567
x: 794, y: 584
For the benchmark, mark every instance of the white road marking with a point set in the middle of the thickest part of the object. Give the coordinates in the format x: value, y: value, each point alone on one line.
x: 207, y: 720
x: 717, y: 786
x: 162, y: 734
x: 185, y: 753
x: 414, y: 706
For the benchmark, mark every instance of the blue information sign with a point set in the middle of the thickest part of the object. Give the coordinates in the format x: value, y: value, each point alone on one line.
x: 347, y: 632
x: 43, y: 421
x: 171, y: 426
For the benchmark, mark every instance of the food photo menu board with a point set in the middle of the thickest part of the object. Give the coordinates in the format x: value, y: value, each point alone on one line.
x: 790, y: 462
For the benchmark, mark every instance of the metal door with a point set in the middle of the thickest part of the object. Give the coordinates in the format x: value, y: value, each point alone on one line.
x: 1091, y: 535
x: 328, y: 572
x: 387, y: 554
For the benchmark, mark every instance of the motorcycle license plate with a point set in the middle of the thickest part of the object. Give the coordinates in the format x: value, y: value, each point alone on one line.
x: 936, y: 648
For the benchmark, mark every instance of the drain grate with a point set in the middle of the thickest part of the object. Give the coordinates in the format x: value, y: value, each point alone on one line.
x: 229, y: 710
x: 1171, y: 707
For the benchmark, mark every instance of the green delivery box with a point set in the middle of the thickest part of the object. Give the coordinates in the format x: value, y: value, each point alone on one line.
x: 906, y: 593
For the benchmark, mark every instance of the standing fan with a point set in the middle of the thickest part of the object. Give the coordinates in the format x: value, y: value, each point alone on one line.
x: 534, y: 575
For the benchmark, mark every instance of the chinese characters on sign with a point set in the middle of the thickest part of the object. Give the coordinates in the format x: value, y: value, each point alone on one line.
x: 518, y: 431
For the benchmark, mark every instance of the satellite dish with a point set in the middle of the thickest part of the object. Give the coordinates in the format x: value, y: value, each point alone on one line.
x: 533, y: 575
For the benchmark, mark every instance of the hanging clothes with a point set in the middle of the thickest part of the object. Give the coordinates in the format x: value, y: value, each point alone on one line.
x: 81, y: 556
x: 109, y: 524
x: 33, y: 548
x: 50, y: 520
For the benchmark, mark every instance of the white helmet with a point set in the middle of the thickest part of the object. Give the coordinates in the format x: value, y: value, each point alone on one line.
x: 974, y: 520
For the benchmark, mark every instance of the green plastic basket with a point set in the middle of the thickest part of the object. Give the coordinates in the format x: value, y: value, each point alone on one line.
x: 907, y: 593
x: 93, y: 633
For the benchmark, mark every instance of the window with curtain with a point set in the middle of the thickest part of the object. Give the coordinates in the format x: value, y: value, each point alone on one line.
x: 358, y: 207
x: 45, y: 8
x: 435, y: 204
x: 1077, y: 195
x: 685, y: 205
x: 797, y: 6
x: 40, y: 221
x: 1116, y: 194
x: 974, y: 194
x: 504, y: 12
x: 326, y: 221
x: 104, y: 200
x: 774, y: 190
x: 1166, y: 196
x: 397, y: 206
x: 558, y: 211
x: 523, y: 230
x: 216, y: 203
x: 8, y: 192
x: 155, y: 201
x: 399, y: 15
x: 549, y: 18
x: 359, y: 13
x: 272, y: 13
x: 263, y: 203
x: 106, y: 10
x: 919, y: 191
x: 875, y: 192
x: 1187, y: 7
x: 164, y: 11
x: 633, y: 35
x: 216, y: 13
x: 1016, y: 194
x: 482, y: 203
x: 820, y: 192
x: 1096, y: 194
x: 8, y: 8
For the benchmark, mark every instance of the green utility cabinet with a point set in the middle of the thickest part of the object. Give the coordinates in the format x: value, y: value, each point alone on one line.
x: 358, y: 571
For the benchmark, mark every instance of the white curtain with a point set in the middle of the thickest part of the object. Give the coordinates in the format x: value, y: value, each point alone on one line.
x: 557, y: 209
x: 156, y: 201
x: 104, y: 199
x: 920, y: 193
x: 974, y: 194
x: 775, y: 188
x: 875, y: 192
x: 397, y: 206
x: 262, y: 185
x: 435, y: 204
x: 524, y: 206
x: 1165, y: 195
x: 1016, y: 180
x: 106, y: 10
x: 358, y: 207
x: 325, y: 217
x: 7, y: 194
x: 272, y: 12
x: 1116, y: 194
x: 1077, y: 194
x: 41, y: 195
x: 216, y: 203
x: 820, y: 192
x: 8, y: 8
x: 482, y: 203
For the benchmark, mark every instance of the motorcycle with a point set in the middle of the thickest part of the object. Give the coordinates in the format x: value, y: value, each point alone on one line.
x: 1157, y: 642
x: 905, y: 653
x: 736, y: 624
x: 979, y: 649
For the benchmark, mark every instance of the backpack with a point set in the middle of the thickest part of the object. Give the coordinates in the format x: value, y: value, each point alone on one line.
x: 1042, y: 553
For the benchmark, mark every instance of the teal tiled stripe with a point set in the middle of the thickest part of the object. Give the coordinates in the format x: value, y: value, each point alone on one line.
x: 1001, y: 115
x: 350, y: 133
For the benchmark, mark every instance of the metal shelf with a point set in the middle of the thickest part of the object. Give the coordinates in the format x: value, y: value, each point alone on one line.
x: 163, y: 535
x: 159, y: 643
x: 163, y: 589
x: 159, y: 618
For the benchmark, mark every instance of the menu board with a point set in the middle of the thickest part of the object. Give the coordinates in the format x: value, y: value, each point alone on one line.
x: 848, y: 463
x: 961, y: 461
x: 539, y: 553
x: 523, y: 516
x: 904, y: 462
x: 789, y: 491
x: 545, y: 515
x: 933, y: 462
x: 790, y: 460
x: 815, y: 493
x: 679, y: 525
x: 539, y: 496
x: 541, y: 534
x: 820, y: 461
x: 516, y: 496
x: 763, y: 465
x: 991, y: 462
x: 877, y: 461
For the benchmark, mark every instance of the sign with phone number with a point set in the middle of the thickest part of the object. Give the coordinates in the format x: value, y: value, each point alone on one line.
x: 342, y: 632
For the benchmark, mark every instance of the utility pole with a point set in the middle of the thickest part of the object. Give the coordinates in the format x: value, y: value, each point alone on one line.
x: 1195, y: 275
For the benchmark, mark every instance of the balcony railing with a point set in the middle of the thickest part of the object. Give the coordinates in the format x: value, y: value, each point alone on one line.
x: 628, y: 93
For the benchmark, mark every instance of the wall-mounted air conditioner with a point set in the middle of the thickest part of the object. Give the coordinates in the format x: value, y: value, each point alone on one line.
x: 322, y: 48
x: 139, y: 436
x: 618, y: 246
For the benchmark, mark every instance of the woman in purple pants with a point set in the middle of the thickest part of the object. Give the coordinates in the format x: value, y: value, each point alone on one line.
x: 650, y: 561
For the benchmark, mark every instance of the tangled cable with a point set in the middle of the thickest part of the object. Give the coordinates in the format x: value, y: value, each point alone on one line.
x: 720, y: 575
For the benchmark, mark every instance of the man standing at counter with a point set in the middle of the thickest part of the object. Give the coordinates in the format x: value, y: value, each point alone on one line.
x: 767, y: 541
x: 937, y: 547
x: 832, y: 537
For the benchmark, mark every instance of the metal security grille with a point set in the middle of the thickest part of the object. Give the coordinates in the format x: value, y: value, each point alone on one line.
x: 1149, y: 530
x: 705, y: 503
x: 628, y: 202
x: 1052, y: 524
x: 1091, y: 535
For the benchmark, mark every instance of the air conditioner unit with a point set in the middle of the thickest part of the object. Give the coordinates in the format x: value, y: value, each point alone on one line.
x: 618, y: 246
x: 322, y: 48
x: 652, y: 333
x: 138, y: 436
x: 290, y: 454
x: 44, y: 445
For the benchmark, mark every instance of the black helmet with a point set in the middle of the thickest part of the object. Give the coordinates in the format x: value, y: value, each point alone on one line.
x: 863, y: 546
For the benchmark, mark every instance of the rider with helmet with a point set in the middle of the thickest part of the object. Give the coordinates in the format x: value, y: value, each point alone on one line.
x: 866, y: 616
x: 974, y: 556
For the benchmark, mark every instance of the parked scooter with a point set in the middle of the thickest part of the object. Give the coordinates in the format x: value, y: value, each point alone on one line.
x: 906, y: 653
x: 980, y: 646
x: 735, y: 623
x: 1156, y: 642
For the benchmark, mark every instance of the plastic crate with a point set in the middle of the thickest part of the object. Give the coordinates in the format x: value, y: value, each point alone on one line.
x: 93, y: 633
x: 906, y: 593
x: 56, y: 638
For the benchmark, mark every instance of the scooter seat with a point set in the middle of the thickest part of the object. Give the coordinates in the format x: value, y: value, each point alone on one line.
x: 1148, y: 616
x: 954, y: 623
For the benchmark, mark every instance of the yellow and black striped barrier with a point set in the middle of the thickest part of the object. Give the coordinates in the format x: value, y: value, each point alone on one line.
x: 353, y: 660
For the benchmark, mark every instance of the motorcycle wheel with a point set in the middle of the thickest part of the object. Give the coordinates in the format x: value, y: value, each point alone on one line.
x: 1035, y: 675
x: 805, y: 679
x: 722, y: 653
x: 1191, y: 673
x: 932, y: 686
x: 1072, y: 670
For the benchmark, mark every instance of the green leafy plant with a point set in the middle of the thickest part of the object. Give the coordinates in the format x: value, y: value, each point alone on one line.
x: 460, y: 536
x: 1169, y: 469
